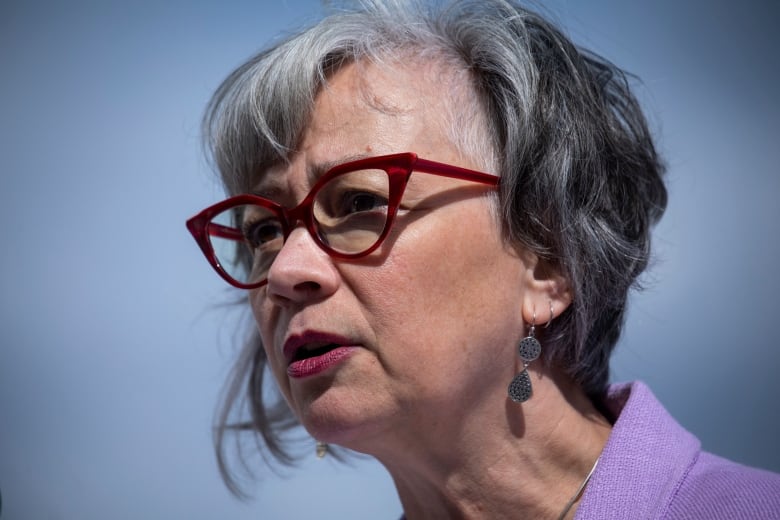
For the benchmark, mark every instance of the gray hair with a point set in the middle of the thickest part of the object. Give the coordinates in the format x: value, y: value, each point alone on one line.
x: 581, y: 180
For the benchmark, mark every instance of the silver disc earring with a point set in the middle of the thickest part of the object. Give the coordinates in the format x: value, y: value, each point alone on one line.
x: 529, y: 349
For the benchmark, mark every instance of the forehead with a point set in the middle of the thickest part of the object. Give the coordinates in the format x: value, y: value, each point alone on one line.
x: 365, y: 101
x: 366, y: 109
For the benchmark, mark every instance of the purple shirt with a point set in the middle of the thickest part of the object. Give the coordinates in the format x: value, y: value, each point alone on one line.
x: 652, y: 468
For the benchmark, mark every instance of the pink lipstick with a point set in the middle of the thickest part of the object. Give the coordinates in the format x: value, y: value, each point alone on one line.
x: 310, y: 366
x: 313, y: 352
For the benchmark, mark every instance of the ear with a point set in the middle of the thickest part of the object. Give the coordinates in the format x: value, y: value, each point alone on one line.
x: 547, y: 292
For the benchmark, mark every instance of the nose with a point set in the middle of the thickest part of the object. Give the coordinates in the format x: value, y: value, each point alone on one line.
x: 301, y: 271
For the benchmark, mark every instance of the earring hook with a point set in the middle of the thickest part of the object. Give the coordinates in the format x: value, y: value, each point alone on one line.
x: 552, y: 313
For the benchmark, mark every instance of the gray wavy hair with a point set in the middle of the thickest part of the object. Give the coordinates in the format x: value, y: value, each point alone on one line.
x: 581, y: 180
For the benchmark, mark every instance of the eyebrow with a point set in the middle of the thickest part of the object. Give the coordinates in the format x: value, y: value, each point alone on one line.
x: 269, y: 187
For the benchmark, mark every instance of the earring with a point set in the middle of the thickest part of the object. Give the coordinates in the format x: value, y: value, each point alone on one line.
x: 520, y: 389
x: 322, y: 449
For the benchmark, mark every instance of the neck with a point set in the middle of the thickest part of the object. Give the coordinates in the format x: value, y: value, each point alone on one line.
x: 502, y: 461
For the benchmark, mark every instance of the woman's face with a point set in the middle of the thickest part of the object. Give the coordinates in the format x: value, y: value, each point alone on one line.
x: 421, y: 331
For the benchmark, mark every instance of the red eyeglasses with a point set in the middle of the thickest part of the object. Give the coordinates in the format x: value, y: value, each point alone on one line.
x: 349, y: 212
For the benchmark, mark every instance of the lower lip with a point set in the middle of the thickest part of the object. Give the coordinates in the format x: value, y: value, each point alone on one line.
x: 314, y: 365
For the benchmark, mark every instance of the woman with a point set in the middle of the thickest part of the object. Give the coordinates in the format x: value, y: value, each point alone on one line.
x: 437, y: 213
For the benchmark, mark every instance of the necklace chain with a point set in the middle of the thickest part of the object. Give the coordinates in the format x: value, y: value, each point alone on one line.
x: 576, y: 496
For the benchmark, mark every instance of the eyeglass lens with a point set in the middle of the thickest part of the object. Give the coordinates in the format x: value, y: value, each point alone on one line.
x: 349, y: 214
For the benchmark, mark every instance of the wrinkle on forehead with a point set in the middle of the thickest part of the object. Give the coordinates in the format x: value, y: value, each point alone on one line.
x: 442, y: 87
x: 366, y: 75
x: 434, y: 92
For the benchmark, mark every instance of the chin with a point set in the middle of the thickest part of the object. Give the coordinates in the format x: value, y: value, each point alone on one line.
x: 341, y: 420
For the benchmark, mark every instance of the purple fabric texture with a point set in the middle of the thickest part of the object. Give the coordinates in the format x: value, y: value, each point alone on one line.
x: 652, y: 468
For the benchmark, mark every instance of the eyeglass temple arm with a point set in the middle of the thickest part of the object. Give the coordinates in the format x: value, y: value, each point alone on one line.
x: 455, y: 172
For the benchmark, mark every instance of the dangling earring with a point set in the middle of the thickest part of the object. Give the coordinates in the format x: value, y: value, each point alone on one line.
x: 520, y: 389
x: 322, y: 449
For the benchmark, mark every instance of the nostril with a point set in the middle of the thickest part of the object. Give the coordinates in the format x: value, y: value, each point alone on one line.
x: 300, y: 292
x: 308, y: 286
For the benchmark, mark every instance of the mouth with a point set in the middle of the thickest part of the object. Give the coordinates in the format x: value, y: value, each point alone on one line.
x: 312, y: 344
x: 311, y: 350
x: 310, y: 359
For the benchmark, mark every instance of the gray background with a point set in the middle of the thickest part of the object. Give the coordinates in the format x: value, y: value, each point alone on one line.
x: 112, y: 347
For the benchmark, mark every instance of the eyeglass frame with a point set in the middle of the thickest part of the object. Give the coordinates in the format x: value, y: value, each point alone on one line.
x: 398, y: 167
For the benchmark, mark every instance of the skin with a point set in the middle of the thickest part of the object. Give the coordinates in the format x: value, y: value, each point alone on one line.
x: 437, y: 313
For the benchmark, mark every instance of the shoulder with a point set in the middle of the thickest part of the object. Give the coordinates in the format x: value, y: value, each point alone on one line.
x: 717, y: 488
x: 652, y: 468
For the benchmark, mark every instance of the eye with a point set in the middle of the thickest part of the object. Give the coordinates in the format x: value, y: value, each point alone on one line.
x: 262, y: 232
x: 356, y: 202
x: 354, y: 195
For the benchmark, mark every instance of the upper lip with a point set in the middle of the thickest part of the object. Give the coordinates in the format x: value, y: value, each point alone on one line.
x: 311, y: 339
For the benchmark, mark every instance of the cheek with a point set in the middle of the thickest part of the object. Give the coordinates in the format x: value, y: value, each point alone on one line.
x: 265, y: 315
x: 260, y: 311
x: 445, y: 287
